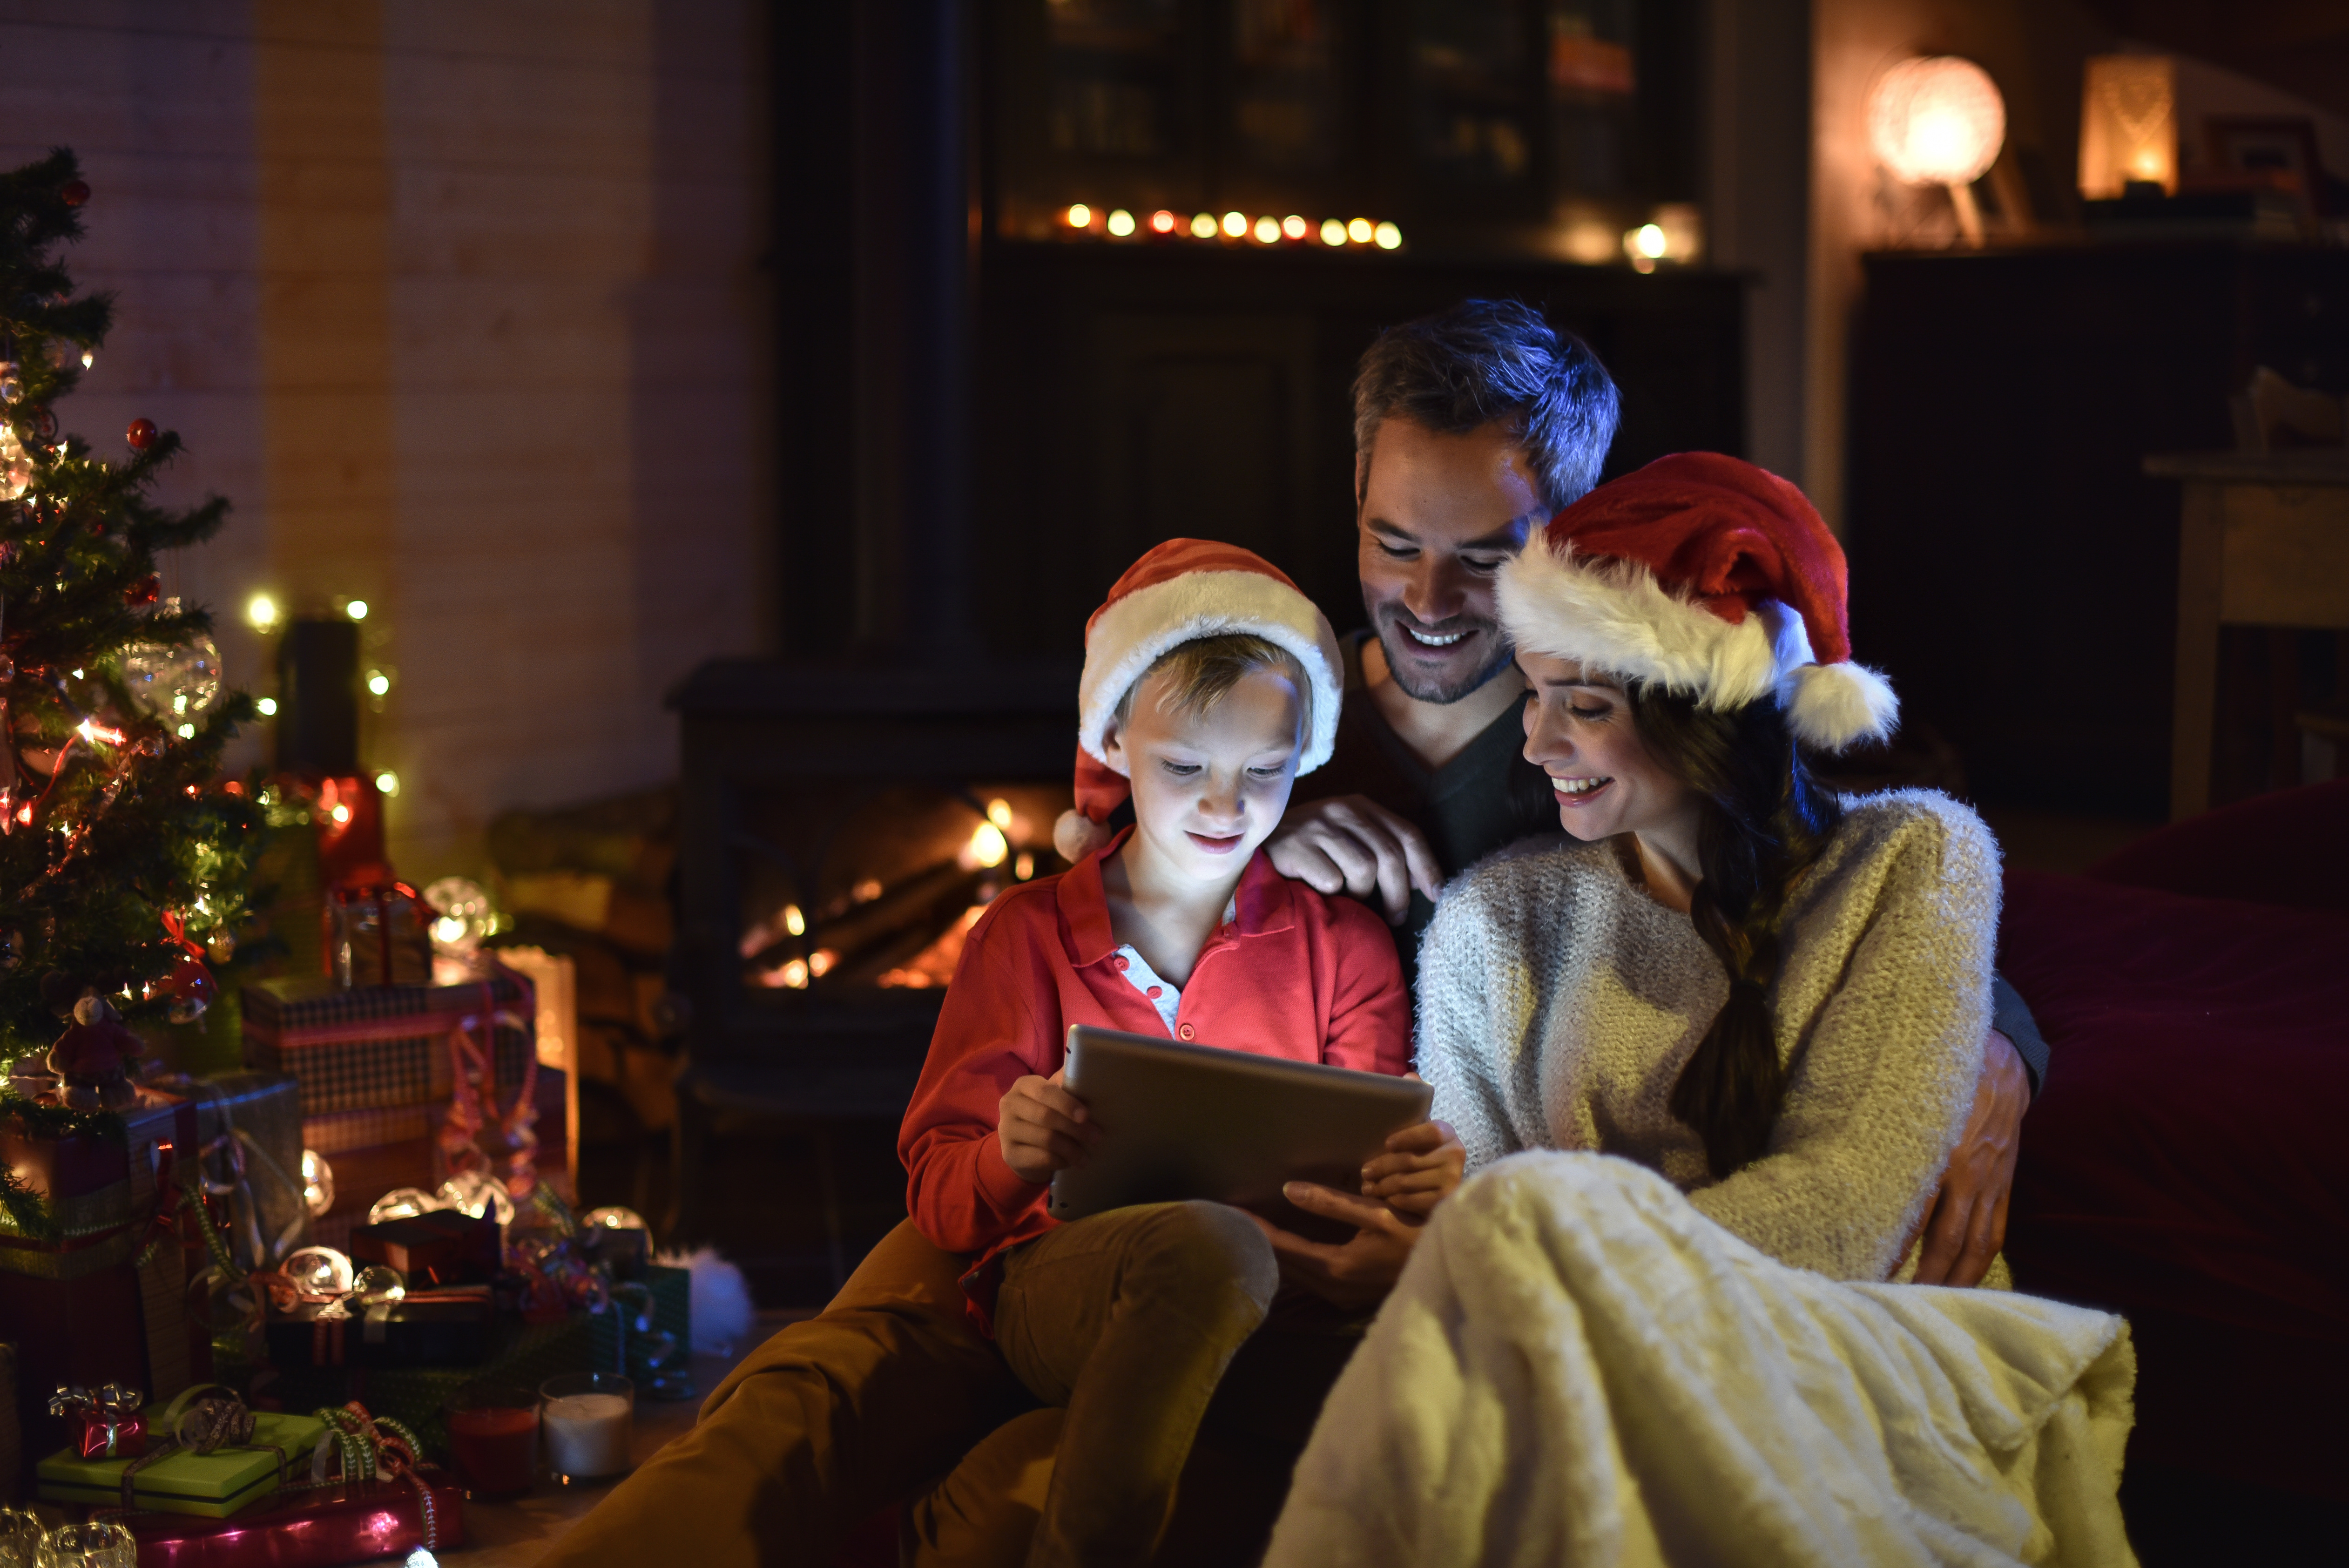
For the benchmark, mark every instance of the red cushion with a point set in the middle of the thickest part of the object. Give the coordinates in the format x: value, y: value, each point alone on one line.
x: 2186, y: 1164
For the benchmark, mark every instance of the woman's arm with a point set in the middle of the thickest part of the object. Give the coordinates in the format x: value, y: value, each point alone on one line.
x: 1878, y: 1089
x: 1476, y: 1007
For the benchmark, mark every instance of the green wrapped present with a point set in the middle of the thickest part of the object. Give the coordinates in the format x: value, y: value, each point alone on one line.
x: 215, y: 1485
x: 525, y: 1354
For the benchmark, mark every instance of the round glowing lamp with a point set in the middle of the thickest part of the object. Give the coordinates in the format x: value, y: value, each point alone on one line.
x: 1938, y: 121
x: 1162, y: 221
x: 1121, y: 223
x: 1333, y: 233
x: 1235, y: 224
x: 1080, y: 216
x: 1203, y: 225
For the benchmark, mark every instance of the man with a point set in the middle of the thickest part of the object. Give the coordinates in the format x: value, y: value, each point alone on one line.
x: 1471, y: 427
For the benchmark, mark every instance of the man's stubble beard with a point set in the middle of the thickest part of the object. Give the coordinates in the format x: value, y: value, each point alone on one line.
x: 1390, y: 634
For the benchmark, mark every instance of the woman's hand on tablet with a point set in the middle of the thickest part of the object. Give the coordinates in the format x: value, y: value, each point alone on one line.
x: 1419, y: 1169
x: 1044, y: 1128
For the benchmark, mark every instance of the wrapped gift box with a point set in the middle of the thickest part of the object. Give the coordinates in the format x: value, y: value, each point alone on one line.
x: 75, y: 1300
x: 672, y: 1303
x: 443, y: 1328
x: 525, y: 1353
x: 264, y: 1111
x: 443, y: 1248
x: 381, y: 1046
x: 310, y: 1527
x: 212, y: 1485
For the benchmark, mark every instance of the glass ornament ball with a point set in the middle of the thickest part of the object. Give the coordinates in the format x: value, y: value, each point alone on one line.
x: 318, y: 1272
x: 15, y: 466
x: 42, y: 422
x: 615, y: 1217
x: 474, y: 1193
x: 403, y: 1203
x: 173, y: 684
x: 463, y: 915
x: 140, y: 435
x: 74, y: 191
x: 318, y: 1183
x: 143, y: 592
x: 379, y: 1282
x: 193, y: 988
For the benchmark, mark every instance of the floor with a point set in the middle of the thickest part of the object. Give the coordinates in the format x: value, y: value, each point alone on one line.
x: 517, y: 1535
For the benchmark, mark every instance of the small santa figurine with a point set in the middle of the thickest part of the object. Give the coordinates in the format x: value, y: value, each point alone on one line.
x: 93, y: 1058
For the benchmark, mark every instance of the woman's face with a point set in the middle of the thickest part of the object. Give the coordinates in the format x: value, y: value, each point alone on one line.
x: 1579, y: 730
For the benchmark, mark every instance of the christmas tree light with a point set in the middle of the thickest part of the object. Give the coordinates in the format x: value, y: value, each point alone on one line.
x: 123, y: 860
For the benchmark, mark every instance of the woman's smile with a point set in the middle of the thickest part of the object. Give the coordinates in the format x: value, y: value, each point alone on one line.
x: 1576, y: 793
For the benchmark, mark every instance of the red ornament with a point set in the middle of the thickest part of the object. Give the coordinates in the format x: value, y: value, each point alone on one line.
x: 140, y: 435
x: 193, y: 988
x: 75, y: 192
x: 145, y: 591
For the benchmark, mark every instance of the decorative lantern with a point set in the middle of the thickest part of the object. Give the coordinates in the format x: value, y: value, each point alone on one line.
x: 2128, y: 124
x: 1938, y: 121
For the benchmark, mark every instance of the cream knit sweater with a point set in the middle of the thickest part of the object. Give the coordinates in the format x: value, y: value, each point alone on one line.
x: 1557, y: 1003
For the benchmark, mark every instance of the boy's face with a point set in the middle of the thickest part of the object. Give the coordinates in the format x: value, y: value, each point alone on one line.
x: 1209, y: 786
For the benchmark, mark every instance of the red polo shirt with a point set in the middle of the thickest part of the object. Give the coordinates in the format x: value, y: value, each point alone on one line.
x: 1292, y: 974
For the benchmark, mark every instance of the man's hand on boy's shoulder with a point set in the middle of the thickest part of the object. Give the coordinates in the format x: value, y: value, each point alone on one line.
x: 1044, y: 1128
x: 1401, y: 1188
x: 1351, y: 844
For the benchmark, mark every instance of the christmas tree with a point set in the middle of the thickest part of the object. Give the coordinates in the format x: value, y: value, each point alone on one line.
x: 124, y: 860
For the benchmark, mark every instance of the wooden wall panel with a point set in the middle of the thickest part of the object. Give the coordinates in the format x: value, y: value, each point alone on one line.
x: 463, y: 305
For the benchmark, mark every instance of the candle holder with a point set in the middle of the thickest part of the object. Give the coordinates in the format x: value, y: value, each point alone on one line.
x: 493, y: 1435
x: 590, y: 1418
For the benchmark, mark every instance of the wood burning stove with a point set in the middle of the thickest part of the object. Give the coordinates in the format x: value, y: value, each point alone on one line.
x: 840, y: 831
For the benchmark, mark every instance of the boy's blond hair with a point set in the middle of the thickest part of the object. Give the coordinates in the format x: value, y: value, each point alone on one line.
x: 1206, y: 669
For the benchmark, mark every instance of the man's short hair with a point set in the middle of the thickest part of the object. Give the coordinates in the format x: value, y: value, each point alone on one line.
x: 1486, y: 361
x: 1206, y: 669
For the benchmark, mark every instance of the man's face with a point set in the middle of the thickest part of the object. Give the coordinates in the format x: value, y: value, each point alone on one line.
x: 1440, y: 513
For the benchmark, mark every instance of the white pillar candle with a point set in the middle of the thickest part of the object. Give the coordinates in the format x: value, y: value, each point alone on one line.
x: 588, y: 1434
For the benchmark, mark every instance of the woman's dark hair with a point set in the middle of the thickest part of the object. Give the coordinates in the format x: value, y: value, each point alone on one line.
x: 1765, y: 819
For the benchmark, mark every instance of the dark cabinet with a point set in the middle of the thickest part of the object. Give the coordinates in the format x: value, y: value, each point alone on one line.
x: 2013, y: 568
x: 1127, y: 395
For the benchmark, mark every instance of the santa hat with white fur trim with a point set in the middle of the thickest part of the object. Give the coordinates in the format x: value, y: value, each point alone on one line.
x: 1183, y: 590
x: 1706, y: 577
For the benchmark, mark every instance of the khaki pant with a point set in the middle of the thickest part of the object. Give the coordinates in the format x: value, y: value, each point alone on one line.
x: 1127, y: 1321
x: 823, y: 1426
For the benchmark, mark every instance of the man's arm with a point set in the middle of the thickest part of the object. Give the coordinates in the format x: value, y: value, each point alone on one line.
x: 1351, y: 844
x: 2011, y: 1015
x: 1968, y: 1222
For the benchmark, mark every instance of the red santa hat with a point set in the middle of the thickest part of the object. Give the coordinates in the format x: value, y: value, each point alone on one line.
x: 1183, y: 590
x: 1706, y: 577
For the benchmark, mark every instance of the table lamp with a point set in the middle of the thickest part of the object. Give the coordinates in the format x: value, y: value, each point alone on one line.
x: 1938, y: 121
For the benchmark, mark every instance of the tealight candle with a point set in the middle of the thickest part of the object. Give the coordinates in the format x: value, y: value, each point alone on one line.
x: 589, y: 1418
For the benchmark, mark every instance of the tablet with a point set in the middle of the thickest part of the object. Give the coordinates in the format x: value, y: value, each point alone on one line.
x: 1190, y: 1121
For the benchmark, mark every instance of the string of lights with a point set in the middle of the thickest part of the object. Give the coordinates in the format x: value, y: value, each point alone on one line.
x: 1231, y: 228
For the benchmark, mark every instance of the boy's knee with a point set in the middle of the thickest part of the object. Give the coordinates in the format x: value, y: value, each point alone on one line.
x: 1199, y: 1247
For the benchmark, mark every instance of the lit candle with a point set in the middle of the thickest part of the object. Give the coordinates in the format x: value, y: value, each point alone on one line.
x: 588, y: 1418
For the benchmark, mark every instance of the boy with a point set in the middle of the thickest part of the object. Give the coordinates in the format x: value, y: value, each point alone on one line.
x: 1210, y: 682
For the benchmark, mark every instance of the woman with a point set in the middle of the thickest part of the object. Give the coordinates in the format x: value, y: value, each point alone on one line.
x: 1771, y: 1001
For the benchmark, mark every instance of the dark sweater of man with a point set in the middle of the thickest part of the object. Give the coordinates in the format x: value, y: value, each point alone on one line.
x: 1487, y: 797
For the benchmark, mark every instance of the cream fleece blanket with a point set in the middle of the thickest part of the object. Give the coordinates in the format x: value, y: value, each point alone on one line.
x: 1579, y: 1368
